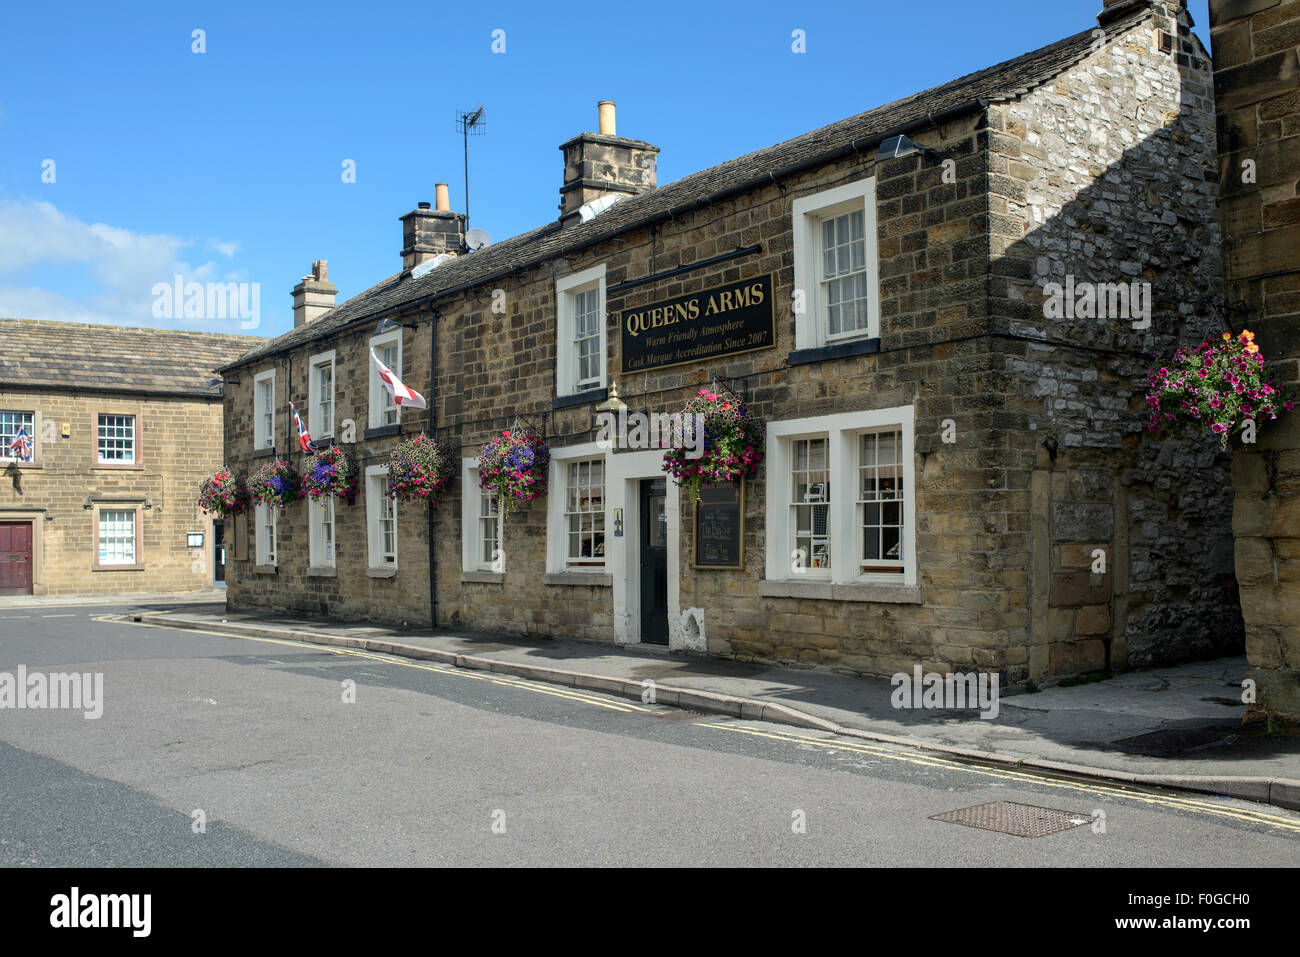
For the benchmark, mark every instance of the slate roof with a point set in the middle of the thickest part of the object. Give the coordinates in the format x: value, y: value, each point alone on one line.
x: 35, y: 353
x: 1004, y: 81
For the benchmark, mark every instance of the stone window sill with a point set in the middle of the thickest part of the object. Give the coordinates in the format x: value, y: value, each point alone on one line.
x: 487, y: 578
x: 264, y: 453
x: 265, y: 570
x: 383, y: 431
x: 850, y: 591
x: 387, y: 571
x: 117, y: 568
x: 598, y: 579
x: 580, y: 398
x: 837, y: 350
x: 322, y: 571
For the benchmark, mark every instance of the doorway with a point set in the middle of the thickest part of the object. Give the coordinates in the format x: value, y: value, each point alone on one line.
x: 654, y: 561
x: 15, y: 558
x: 219, y: 553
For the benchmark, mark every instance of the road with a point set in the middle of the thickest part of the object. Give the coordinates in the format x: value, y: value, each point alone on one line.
x: 433, y: 765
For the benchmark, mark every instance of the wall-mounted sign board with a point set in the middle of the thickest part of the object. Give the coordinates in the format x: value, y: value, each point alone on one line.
x: 713, y: 322
x: 720, y: 527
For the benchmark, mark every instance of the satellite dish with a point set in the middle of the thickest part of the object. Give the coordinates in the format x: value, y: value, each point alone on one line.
x: 477, y: 239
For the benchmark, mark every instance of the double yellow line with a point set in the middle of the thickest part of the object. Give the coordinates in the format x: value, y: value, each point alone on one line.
x: 1105, y: 790
x: 496, y: 678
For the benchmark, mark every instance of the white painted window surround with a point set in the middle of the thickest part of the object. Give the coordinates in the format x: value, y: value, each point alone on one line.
x: 381, y: 520
x: 557, y: 515
x: 845, y: 521
x: 321, y: 532
x: 320, y: 395
x: 480, y: 523
x: 264, y: 410
x: 580, y: 301
x: 835, y: 255
x: 389, y: 349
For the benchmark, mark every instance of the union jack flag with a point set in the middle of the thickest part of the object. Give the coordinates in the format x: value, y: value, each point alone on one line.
x: 21, y: 445
x: 304, y: 437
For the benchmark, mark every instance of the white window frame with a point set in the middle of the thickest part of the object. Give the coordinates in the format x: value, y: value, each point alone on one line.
x: 557, y: 527
x: 7, y: 455
x: 314, y: 399
x: 380, y: 400
x: 566, y: 360
x: 100, y: 513
x: 843, y: 431
x: 471, y: 516
x: 376, y: 501
x: 99, y: 438
x: 811, y: 327
x: 267, y: 549
x: 317, y: 510
x: 261, y: 438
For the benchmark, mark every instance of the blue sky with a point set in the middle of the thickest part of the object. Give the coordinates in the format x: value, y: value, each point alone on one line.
x: 227, y: 165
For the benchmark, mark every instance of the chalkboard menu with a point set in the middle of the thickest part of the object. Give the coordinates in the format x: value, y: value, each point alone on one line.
x: 720, y: 527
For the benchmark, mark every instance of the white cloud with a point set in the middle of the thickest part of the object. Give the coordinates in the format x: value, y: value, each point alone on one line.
x: 125, y: 266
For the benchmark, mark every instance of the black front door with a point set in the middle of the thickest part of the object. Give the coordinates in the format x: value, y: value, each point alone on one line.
x: 218, y: 551
x: 654, y: 561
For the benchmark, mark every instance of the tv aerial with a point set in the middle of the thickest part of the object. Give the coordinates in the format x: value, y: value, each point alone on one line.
x: 471, y: 123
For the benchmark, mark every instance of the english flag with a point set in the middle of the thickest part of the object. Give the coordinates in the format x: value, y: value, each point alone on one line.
x: 404, y: 397
x: 304, y: 437
x: 22, y: 445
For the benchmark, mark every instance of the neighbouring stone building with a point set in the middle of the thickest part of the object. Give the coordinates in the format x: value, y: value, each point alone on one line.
x: 947, y: 337
x: 105, y: 434
x: 1257, y: 88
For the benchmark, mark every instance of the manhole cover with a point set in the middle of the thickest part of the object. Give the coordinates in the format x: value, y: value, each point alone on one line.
x: 1022, y: 820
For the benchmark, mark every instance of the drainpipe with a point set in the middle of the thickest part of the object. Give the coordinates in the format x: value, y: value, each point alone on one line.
x: 433, y: 422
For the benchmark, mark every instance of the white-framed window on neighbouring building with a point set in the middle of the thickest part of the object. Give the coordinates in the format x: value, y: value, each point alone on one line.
x: 17, y: 436
x: 580, y: 334
x: 584, y: 513
x: 388, y: 347
x: 264, y: 410
x: 117, y: 536
x: 844, y: 510
x: 267, y: 521
x: 115, y: 439
x: 320, y: 531
x: 836, y: 265
x: 381, y: 519
x: 320, y: 396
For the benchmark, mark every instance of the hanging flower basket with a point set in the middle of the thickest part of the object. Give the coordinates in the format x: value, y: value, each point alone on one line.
x: 331, y: 473
x: 732, y: 446
x: 1215, y: 388
x: 515, y: 466
x: 223, y: 493
x: 275, y: 484
x: 420, y: 468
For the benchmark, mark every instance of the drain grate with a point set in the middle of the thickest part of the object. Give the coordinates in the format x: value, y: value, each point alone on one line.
x: 1022, y: 820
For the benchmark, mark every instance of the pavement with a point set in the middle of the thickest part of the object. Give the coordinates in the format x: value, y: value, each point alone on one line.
x: 1178, y: 727
x: 207, y: 596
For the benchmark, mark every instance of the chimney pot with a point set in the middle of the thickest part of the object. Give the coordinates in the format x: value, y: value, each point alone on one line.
x: 422, y: 205
x: 605, y: 115
x: 441, y: 195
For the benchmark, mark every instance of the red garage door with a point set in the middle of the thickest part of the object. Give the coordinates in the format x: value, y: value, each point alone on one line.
x: 15, y: 558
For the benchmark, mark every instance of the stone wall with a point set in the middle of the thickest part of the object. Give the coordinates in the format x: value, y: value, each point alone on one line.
x: 179, y: 445
x: 1106, y: 176
x: 1257, y: 88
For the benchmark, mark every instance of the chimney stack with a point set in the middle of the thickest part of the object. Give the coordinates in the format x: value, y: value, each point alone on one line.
x: 428, y: 232
x: 596, y: 164
x: 314, y: 296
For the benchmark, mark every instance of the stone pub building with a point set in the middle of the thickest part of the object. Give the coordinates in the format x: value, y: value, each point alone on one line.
x: 946, y: 338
